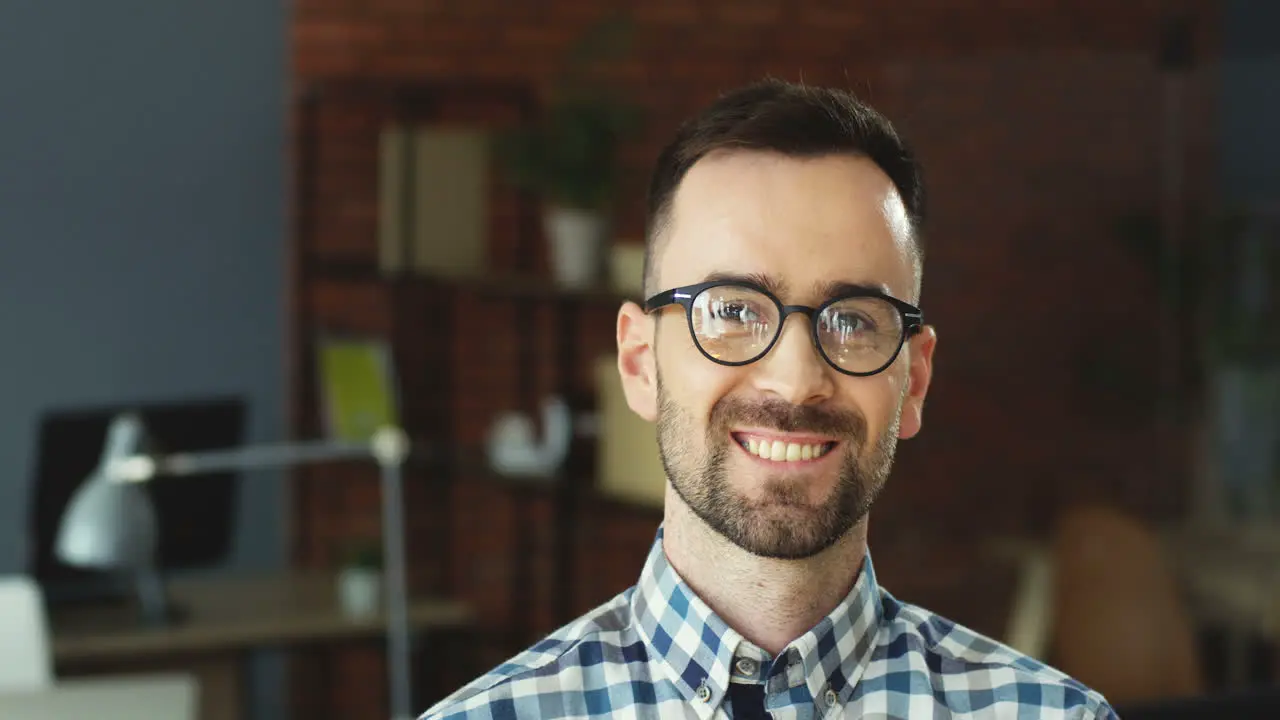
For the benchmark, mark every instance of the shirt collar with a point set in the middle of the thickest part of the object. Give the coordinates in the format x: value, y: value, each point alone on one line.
x: 698, y: 650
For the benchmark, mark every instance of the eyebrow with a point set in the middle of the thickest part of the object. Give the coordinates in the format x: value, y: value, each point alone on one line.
x: 836, y: 288
x: 822, y: 289
x: 768, y: 282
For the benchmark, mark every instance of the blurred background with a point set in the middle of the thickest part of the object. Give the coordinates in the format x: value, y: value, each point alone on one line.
x: 249, y: 223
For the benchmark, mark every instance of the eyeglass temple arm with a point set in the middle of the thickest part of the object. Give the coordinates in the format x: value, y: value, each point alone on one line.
x: 665, y: 298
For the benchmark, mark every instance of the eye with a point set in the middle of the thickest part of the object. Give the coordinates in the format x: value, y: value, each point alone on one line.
x: 734, y: 311
x: 849, y: 324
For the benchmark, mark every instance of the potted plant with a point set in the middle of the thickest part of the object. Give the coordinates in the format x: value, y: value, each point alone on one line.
x: 569, y: 157
x: 360, y: 579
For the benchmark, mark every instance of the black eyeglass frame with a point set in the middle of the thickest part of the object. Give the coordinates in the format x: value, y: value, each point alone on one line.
x: 912, y: 318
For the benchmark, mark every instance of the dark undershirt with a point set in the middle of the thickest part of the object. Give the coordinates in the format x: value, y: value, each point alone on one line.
x: 747, y: 701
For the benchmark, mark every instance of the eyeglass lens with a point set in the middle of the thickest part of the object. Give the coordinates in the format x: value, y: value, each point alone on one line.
x: 737, y: 325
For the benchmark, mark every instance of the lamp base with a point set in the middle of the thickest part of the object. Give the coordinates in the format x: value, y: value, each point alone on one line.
x: 165, y: 617
x: 155, y: 608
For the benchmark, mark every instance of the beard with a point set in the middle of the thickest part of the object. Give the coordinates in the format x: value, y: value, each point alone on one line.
x: 700, y: 475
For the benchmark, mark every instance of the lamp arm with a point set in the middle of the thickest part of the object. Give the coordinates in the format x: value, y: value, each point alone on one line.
x: 145, y: 468
x: 387, y: 447
x: 259, y: 457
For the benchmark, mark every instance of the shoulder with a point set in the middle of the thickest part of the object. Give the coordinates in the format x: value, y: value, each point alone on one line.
x: 968, y: 671
x: 528, y: 682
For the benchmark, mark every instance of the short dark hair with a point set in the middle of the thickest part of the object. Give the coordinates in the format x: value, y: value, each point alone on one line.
x: 791, y: 119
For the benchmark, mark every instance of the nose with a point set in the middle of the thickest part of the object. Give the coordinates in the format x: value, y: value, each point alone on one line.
x: 793, y: 371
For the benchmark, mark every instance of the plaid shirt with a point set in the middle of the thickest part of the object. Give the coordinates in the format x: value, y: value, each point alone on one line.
x: 657, y: 650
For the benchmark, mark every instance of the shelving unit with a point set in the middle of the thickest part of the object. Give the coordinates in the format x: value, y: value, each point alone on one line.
x: 424, y: 321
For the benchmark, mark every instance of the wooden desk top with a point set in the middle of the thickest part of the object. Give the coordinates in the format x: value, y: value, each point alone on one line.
x: 233, y: 614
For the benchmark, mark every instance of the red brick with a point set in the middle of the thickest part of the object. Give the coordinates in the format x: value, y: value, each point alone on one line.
x: 673, y: 12
x: 748, y: 12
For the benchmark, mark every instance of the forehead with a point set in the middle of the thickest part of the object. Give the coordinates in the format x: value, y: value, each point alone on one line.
x: 804, y: 222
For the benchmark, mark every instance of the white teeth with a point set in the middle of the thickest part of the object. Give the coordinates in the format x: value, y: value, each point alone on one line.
x: 779, y: 451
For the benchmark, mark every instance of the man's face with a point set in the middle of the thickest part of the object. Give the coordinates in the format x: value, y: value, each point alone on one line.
x: 801, y: 225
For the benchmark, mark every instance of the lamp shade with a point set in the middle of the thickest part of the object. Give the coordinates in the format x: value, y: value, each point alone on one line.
x: 109, y: 524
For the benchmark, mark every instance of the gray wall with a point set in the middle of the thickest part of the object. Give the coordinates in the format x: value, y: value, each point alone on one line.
x: 1249, y: 102
x: 141, y: 223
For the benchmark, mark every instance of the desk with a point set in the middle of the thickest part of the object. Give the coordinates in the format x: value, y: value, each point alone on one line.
x: 223, y: 620
x: 160, y: 697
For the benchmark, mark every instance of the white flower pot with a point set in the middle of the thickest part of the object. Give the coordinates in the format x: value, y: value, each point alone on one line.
x: 577, y: 240
x: 360, y: 592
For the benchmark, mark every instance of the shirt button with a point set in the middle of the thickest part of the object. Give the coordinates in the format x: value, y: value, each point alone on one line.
x: 830, y: 697
x: 704, y: 692
x: 747, y: 666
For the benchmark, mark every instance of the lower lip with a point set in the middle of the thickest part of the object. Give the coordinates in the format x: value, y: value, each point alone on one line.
x: 784, y: 464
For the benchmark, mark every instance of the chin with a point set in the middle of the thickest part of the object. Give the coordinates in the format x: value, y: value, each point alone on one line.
x: 803, y: 500
x: 784, y: 538
x: 781, y: 524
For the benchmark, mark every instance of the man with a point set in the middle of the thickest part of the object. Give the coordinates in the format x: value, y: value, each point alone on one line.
x: 782, y: 355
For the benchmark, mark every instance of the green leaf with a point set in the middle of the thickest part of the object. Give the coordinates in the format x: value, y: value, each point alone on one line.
x: 570, y: 155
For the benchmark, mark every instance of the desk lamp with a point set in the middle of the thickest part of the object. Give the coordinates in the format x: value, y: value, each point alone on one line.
x: 110, y: 523
x: 112, y: 526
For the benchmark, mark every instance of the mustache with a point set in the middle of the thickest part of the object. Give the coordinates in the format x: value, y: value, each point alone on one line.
x: 785, y: 417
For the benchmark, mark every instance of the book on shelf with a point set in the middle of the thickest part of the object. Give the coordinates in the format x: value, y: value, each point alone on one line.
x: 433, y: 200
x: 357, y: 387
x: 630, y: 466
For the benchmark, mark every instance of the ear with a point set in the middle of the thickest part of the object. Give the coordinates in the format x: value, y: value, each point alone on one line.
x: 637, y: 364
x: 919, y: 374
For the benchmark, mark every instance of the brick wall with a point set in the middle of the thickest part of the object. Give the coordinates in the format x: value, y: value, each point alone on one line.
x: 1037, y: 125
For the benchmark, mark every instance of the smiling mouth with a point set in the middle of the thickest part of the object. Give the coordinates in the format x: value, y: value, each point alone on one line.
x: 782, y: 451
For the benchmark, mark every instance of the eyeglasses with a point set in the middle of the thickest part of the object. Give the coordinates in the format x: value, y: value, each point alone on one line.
x: 737, y: 323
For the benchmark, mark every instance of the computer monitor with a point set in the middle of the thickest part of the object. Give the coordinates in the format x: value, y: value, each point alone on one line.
x: 196, y: 516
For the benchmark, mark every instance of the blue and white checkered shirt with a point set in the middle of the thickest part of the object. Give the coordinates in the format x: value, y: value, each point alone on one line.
x: 657, y: 650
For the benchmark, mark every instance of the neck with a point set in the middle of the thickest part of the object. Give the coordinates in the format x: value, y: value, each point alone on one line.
x: 769, y: 602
